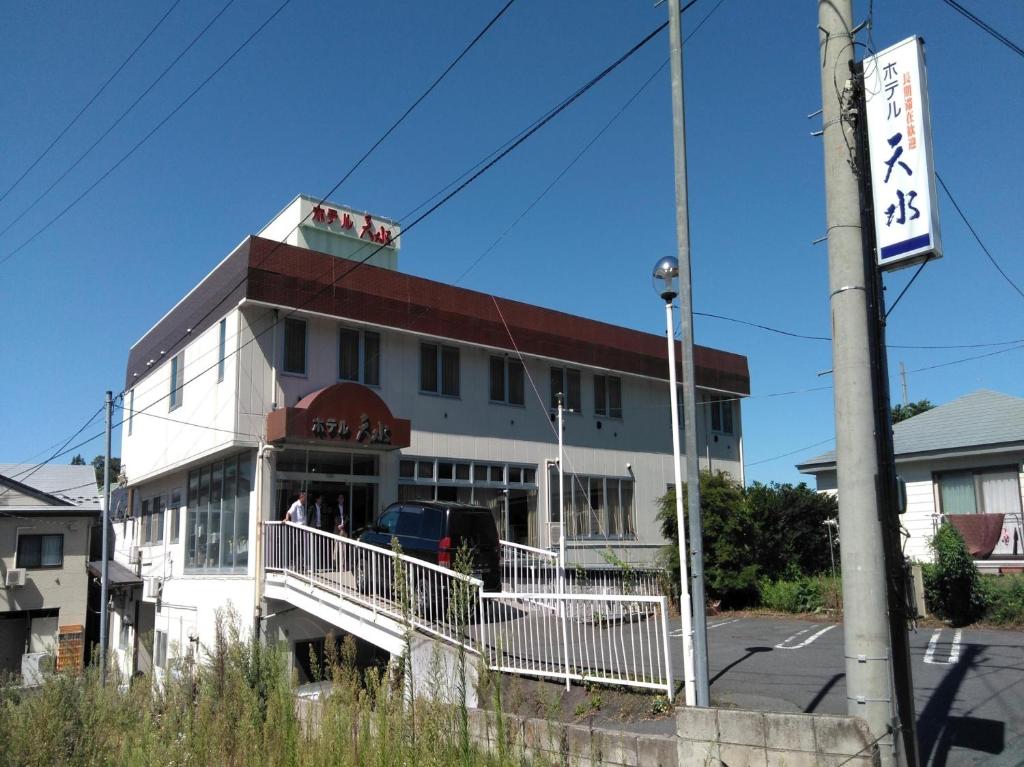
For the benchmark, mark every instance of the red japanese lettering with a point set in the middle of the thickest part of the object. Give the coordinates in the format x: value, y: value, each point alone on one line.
x: 318, y: 214
x: 332, y: 216
x: 367, y: 228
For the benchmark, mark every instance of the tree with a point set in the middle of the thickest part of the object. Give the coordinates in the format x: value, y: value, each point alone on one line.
x: 115, y: 469
x: 953, y: 588
x: 791, y: 530
x: 78, y: 460
x: 730, y: 568
x: 903, y: 412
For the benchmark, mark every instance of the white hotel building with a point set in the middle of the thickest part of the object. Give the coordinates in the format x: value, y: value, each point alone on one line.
x: 288, y: 368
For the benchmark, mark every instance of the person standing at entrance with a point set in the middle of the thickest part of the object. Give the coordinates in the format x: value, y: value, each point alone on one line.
x: 341, y: 528
x: 296, y: 514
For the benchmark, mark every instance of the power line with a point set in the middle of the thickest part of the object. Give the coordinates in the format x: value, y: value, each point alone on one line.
x: 149, y: 135
x: 966, y: 359
x: 89, y: 103
x: 117, y: 122
x: 380, y: 140
x: 22, y: 476
x: 791, y: 452
x: 991, y: 258
x: 985, y: 27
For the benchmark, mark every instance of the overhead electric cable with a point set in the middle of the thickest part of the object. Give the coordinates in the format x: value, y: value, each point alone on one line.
x: 977, y: 239
x: 23, y: 475
x: 90, y: 102
x: 54, y: 219
x: 117, y: 122
x: 791, y: 452
x: 985, y: 27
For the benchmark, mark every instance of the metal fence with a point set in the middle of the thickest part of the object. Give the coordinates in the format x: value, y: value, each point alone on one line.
x: 602, y: 637
x: 529, y: 569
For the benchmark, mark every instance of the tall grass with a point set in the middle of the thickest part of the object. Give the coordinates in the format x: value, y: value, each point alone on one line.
x: 237, y: 707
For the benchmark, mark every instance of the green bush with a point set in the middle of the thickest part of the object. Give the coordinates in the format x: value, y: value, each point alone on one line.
x: 1004, y: 595
x: 800, y: 594
x: 952, y: 585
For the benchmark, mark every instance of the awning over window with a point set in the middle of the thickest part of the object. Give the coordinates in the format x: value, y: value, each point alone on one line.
x: 118, y: 574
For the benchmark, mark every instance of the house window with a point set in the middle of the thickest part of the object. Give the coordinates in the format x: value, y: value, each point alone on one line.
x: 980, y: 492
x: 217, y: 516
x: 152, y: 520
x: 177, y: 380
x: 175, y: 514
x: 566, y: 381
x: 359, y: 356
x: 160, y: 649
x: 608, y: 396
x: 439, y: 369
x: 721, y: 414
x: 507, y: 381
x: 124, y: 639
x: 596, y: 507
x: 222, y: 345
x: 37, y: 551
x: 294, y: 346
x: 131, y: 410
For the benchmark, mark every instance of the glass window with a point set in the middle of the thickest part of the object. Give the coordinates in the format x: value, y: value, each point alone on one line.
x: 222, y: 346
x: 364, y: 465
x: 131, y: 411
x: 530, y: 476
x: 217, y: 519
x: 175, y: 515
x: 158, y: 519
x: 428, y: 367
x: 600, y: 396
x: 956, y: 491
x: 479, y: 472
x: 445, y: 470
x: 409, y: 521
x: 450, y: 371
x: 432, y: 523
x: 497, y: 379
x: 242, y: 493
x: 462, y: 471
x: 227, y: 520
x: 371, y: 358
x: 40, y: 551
x: 425, y: 470
x: 388, y: 521
x: 515, y: 475
x: 506, y: 380
x: 608, y: 396
x: 497, y: 474
x: 146, y: 533
x: 566, y: 381
x: 515, y: 383
x: 294, y: 346
x: 177, y: 380
x: 348, y: 355
x: 407, y: 469
x: 721, y: 415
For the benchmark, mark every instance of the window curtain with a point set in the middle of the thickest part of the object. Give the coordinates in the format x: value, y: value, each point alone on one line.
x: 956, y: 493
x: 1000, y: 493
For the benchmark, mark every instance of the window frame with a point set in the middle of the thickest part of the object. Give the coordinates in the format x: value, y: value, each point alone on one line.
x: 718, y: 406
x: 442, y: 384
x: 177, y: 381
x: 20, y: 553
x: 976, y: 474
x: 222, y: 347
x: 507, y: 364
x: 131, y: 410
x: 292, y: 322
x: 608, y: 384
x: 565, y: 386
x: 363, y: 357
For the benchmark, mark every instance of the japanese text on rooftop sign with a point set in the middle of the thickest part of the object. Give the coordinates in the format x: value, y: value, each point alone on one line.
x: 899, y: 144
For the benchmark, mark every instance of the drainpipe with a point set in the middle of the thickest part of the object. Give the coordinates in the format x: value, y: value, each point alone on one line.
x: 261, y: 452
x: 273, y: 364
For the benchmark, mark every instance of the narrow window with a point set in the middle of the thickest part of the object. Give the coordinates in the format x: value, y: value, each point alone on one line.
x: 348, y: 355
x: 428, y: 367
x: 557, y: 386
x: 295, y: 346
x: 450, y: 371
x: 371, y: 358
x: 177, y: 380
x: 608, y: 396
x: 223, y: 345
x: 175, y: 515
x: 497, y: 379
x: 573, y: 395
x: 600, y: 396
x: 566, y: 381
x: 131, y: 410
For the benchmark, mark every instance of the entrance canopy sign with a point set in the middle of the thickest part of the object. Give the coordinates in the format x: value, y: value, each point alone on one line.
x: 900, y: 148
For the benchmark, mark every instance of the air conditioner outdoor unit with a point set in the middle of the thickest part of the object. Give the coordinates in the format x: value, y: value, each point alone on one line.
x: 15, y: 577
x: 134, y: 555
x: 152, y: 587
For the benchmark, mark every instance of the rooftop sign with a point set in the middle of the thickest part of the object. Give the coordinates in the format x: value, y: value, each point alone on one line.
x: 350, y: 223
x: 900, y: 149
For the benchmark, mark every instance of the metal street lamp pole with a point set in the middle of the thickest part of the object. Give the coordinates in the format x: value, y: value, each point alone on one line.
x: 561, y: 541
x: 667, y: 269
x: 700, y: 634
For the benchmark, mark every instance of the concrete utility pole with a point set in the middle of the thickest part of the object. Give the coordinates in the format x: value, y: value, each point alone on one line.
x: 867, y: 650
x: 105, y: 523
x: 903, y: 382
x: 700, y: 633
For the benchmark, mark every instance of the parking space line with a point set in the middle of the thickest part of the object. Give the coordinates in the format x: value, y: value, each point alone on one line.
x: 679, y: 632
x: 784, y: 644
x: 954, y: 650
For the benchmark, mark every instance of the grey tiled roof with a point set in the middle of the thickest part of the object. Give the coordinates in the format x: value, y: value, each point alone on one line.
x: 74, y: 484
x: 982, y: 418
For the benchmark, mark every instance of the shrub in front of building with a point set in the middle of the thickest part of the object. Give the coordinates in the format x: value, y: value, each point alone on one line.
x: 952, y: 585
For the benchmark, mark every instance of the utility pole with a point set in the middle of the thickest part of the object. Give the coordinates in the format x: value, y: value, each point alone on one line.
x: 561, y: 539
x: 866, y: 641
x: 105, y: 523
x: 903, y: 382
x: 696, y: 570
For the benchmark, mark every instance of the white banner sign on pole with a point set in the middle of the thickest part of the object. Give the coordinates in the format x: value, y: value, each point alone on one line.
x: 900, y: 147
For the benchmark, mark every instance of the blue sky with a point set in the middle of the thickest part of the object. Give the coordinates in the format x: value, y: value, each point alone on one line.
x: 294, y: 109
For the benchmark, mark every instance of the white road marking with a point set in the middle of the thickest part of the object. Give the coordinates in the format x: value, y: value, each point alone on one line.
x: 679, y: 632
x: 784, y: 645
x: 954, y: 650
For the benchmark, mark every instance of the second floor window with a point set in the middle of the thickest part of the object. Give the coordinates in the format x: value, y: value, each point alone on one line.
x: 152, y: 530
x: 177, y: 380
x: 507, y: 381
x: 294, y: 346
x: 40, y: 551
x: 439, y: 369
x: 222, y: 347
x: 721, y: 415
x: 359, y: 356
x: 566, y: 381
x: 608, y: 396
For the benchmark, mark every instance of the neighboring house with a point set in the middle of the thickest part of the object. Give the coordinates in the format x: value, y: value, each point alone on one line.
x: 288, y: 368
x: 46, y: 515
x: 961, y: 462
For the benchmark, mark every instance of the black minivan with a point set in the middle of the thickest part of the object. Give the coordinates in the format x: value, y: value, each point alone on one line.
x: 435, y: 530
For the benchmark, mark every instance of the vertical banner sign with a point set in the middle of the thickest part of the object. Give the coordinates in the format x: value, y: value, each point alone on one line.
x: 900, y: 147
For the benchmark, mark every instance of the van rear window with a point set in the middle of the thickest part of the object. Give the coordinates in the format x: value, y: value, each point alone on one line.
x: 476, y: 527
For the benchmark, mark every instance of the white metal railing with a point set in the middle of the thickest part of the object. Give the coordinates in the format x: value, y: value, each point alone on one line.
x: 528, y: 569
x: 611, y: 639
x: 436, y: 600
x: 602, y: 637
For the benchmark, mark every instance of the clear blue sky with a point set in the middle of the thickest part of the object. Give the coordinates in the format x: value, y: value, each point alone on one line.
x: 321, y: 82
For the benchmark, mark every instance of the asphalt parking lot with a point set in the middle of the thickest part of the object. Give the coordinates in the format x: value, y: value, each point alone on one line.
x: 969, y: 683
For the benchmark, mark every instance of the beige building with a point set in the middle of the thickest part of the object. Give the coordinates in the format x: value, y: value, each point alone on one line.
x: 46, y: 515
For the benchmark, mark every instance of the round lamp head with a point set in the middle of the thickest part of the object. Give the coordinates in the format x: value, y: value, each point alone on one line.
x: 666, y: 277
